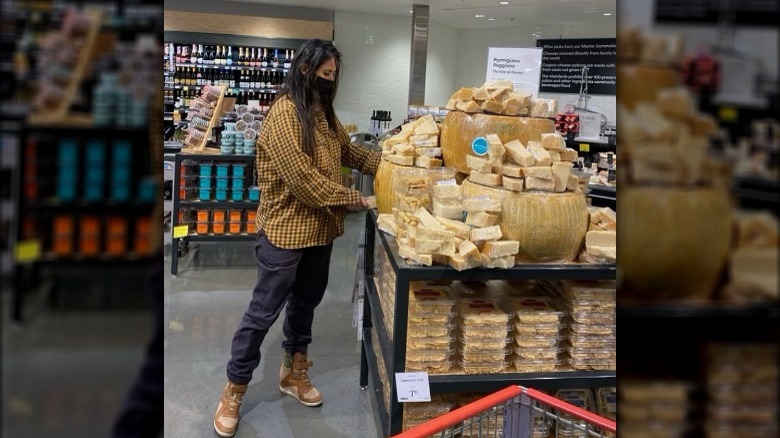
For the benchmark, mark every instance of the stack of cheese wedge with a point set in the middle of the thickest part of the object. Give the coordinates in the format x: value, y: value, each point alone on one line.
x: 601, y: 238
x: 499, y: 97
x: 416, y: 145
x: 754, y: 258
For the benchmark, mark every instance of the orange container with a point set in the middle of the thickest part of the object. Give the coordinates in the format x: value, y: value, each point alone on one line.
x: 202, y: 227
x: 143, y: 246
x: 62, y: 246
x: 90, y: 226
x: 235, y: 215
x: 63, y: 225
x: 235, y: 227
x: 250, y: 228
x: 89, y: 246
x: 203, y: 215
x: 143, y: 226
x: 116, y: 245
x: 117, y: 226
x: 218, y: 227
x: 251, y: 215
x: 219, y: 215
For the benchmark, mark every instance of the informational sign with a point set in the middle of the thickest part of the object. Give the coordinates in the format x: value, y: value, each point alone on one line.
x: 28, y: 251
x: 521, y: 65
x: 181, y: 231
x: 590, y: 125
x: 747, y: 12
x: 563, y: 59
x: 413, y: 387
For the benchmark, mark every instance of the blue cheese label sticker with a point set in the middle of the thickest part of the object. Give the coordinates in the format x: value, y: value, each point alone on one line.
x: 479, y: 146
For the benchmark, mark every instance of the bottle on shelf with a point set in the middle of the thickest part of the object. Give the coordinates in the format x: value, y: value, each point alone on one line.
x: 611, y: 168
x: 229, y: 58
x: 177, y: 58
x: 252, y: 58
x: 199, y: 76
x: 199, y: 59
x: 240, y: 56
x: 261, y: 80
x: 287, y: 59
x: 276, y: 58
x: 216, y: 60
x: 232, y: 78
x: 194, y: 55
x: 263, y: 62
x: 223, y: 56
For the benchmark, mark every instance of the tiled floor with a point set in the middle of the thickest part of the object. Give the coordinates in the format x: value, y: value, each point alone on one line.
x: 203, y: 305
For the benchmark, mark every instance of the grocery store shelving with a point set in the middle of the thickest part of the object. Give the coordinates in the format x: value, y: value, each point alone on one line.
x: 394, y: 350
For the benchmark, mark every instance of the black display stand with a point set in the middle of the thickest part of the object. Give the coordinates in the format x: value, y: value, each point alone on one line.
x: 181, y: 243
x: 394, y: 351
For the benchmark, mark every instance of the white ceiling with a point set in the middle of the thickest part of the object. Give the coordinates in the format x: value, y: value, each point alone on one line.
x: 548, y: 14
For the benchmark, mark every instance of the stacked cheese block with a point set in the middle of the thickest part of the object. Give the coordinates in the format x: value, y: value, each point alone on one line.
x: 754, y: 258
x: 446, y: 194
x: 412, y: 192
x: 591, y: 341
x: 416, y: 145
x: 381, y: 369
x: 572, y: 426
x: 742, y: 385
x: 601, y: 238
x: 482, y: 336
x: 653, y: 409
x: 499, y: 97
x: 539, y: 165
x: 606, y: 405
x: 416, y: 414
x: 537, y: 334
x: 384, y: 281
x: 429, y: 343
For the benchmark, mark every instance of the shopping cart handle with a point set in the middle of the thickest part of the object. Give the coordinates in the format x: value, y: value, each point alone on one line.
x: 570, y: 409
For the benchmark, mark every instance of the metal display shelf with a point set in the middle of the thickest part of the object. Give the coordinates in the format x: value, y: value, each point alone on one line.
x: 602, y: 196
x: 394, y: 350
x: 182, y: 242
x: 757, y: 193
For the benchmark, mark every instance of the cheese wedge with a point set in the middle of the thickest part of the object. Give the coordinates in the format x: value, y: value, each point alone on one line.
x: 569, y: 154
x: 410, y: 255
x: 573, y: 183
x: 465, y: 93
x: 541, y: 156
x: 428, y: 152
x: 547, y: 185
x: 553, y: 141
x: 385, y: 222
x: 479, y: 164
x: 468, y: 250
x: 404, y: 149
x: 438, y: 247
x: 423, y: 232
x: 555, y: 156
x: 511, y: 170
x: 481, y: 219
x: 426, y: 220
x: 424, y: 141
x: 540, y: 172
x: 427, y: 162
x: 561, y: 171
x: 514, y: 184
x: 428, y: 126
x: 452, y: 104
x: 500, y: 94
x: 492, y: 107
x: 496, y: 150
x: 546, y: 108
x: 400, y: 159
x: 487, y: 179
x: 487, y: 234
x: 482, y: 203
x: 448, y: 208
x: 460, y: 263
x: 446, y: 191
x: 518, y: 153
x: 457, y: 228
x: 481, y: 94
x: 498, y: 262
x: 500, y: 248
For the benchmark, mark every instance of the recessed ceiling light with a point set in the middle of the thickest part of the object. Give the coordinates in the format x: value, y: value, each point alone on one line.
x: 491, y: 19
x: 503, y: 3
x: 411, y: 12
x: 607, y: 14
x: 479, y: 16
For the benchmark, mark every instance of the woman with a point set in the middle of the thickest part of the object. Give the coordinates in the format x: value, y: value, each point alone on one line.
x: 301, y: 148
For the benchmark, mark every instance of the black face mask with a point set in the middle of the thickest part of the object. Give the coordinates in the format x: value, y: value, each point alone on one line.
x: 324, y: 86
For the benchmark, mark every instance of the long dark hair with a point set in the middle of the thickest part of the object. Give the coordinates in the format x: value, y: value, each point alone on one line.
x: 301, y: 87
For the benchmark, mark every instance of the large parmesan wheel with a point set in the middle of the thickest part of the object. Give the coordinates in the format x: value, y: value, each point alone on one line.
x: 550, y: 227
x: 673, y: 243
x: 384, y: 185
x: 640, y: 83
x: 459, y: 129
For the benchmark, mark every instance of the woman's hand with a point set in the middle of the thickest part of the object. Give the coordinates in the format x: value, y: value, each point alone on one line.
x: 360, y: 206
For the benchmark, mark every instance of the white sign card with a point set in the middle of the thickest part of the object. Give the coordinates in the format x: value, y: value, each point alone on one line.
x: 521, y: 65
x: 413, y: 387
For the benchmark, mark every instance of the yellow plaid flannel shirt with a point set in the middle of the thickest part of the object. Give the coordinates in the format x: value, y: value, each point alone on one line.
x: 302, y: 200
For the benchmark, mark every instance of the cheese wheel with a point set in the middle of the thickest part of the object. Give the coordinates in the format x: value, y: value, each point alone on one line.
x: 550, y: 227
x: 384, y: 185
x: 460, y: 129
x: 673, y: 242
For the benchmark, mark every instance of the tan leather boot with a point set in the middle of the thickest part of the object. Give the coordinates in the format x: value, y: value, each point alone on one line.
x: 226, y: 418
x: 294, y: 380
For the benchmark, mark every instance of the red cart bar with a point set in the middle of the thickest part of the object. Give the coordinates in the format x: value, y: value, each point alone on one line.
x: 515, y: 412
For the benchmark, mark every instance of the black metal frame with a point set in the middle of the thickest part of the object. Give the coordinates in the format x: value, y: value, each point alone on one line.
x: 395, y: 352
x: 178, y: 203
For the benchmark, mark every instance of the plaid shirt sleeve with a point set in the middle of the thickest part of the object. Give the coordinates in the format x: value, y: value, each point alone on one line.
x: 296, y: 169
x: 357, y: 157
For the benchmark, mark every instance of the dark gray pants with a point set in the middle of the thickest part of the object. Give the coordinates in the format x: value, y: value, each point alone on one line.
x: 296, y: 277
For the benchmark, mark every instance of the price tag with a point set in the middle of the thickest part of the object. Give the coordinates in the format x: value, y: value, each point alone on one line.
x: 584, y: 147
x: 181, y: 231
x: 413, y: 387
x: 28, y: 251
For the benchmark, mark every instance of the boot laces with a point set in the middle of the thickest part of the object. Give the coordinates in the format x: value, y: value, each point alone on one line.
x: 301, y: 373
x: 233, y: 402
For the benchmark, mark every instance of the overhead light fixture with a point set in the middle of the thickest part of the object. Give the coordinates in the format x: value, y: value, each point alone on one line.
x: 479, y: 16
x: 503, y: 3
x: 411, y: 12
x: 491, y: 19
x: 607, y: 14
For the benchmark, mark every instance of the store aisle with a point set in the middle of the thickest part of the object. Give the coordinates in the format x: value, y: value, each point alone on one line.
x: 203, y: 306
